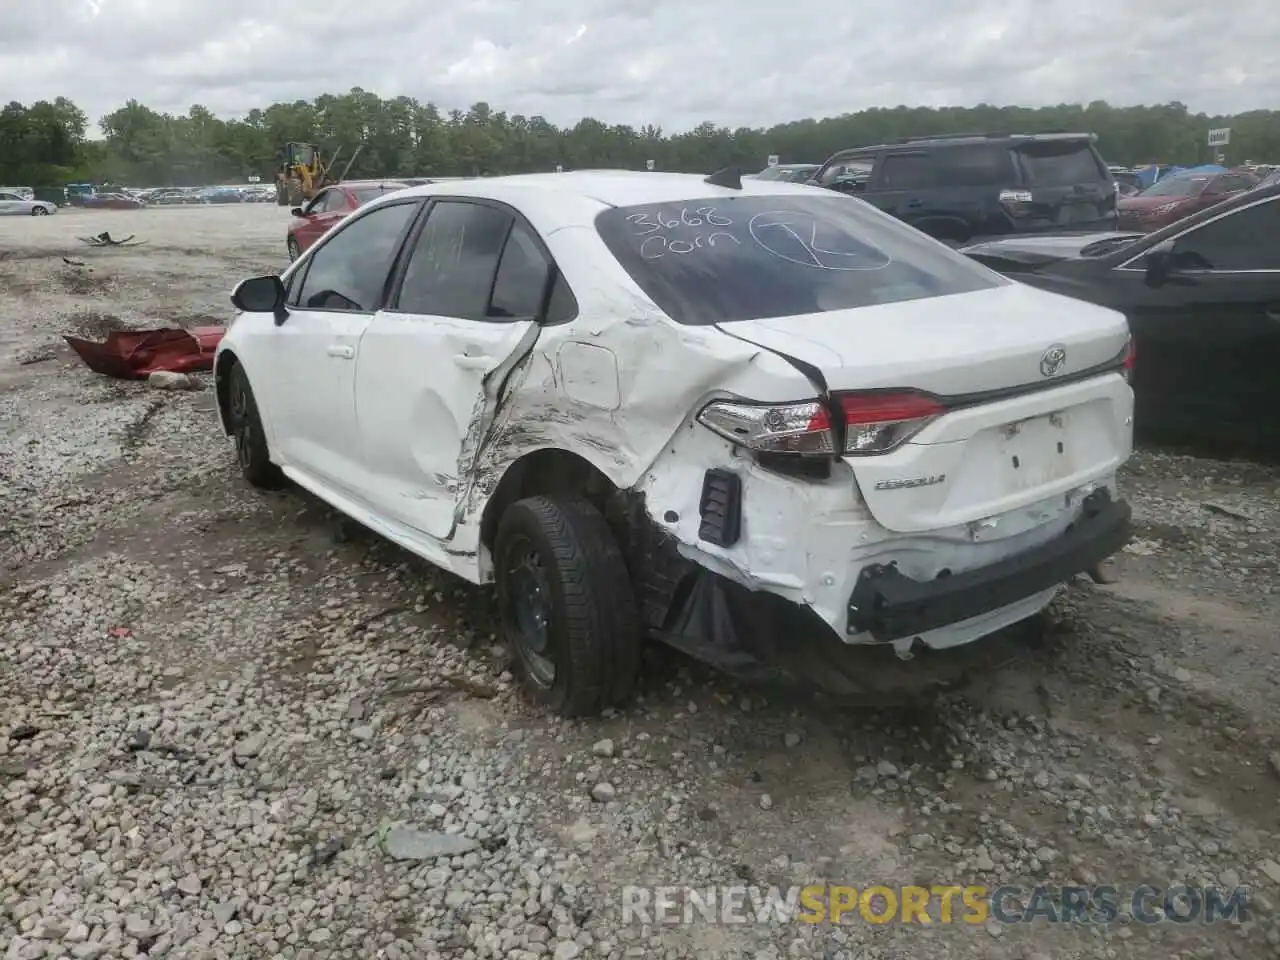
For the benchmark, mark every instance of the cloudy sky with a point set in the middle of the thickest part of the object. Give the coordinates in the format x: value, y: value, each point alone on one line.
x: 669, y: 62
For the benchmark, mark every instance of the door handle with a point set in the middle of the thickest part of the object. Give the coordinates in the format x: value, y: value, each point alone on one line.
x: 1273, y: 312
x: 468, y: 361
x: 342, y: 351
x: 915, y: 204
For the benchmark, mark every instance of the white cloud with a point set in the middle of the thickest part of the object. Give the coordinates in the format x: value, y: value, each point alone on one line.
x: 643, y: 61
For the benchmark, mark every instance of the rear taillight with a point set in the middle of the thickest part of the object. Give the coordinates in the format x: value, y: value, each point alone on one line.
x: 1130, y: 354
x: 801, y: 428
x: 869, y: 423
x: 878, y: 422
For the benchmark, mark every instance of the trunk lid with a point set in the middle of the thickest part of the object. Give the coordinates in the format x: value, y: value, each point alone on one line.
x: 1013, y: 435
x: 1064, y: 185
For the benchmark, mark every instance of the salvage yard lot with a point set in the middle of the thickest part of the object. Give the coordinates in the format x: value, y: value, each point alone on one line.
x: 216, y: 705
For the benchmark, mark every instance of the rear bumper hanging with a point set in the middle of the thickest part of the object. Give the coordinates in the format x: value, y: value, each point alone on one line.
x: 892, y: 606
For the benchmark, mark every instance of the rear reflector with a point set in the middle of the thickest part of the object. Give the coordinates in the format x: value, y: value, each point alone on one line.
x: 879, y: 422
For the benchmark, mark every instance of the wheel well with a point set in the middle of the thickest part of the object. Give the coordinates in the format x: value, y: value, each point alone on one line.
x: 548, y: 473
x: 221, y: 380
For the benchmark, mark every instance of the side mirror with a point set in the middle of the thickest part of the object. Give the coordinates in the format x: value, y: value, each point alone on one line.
x: 261, y: 295
x: 297, y: 212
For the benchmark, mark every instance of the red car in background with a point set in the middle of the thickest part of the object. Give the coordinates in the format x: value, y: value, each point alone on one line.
x: 330, y: 205
x: 1181, y: 195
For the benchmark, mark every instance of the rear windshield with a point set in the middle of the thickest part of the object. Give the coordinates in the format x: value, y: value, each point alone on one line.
x: 750, y: 258
x: 1060, y: 163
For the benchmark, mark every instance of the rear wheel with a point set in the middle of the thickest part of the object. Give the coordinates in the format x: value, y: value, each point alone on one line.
x: 294, y: 250
x: 251, y: 439
x: 566, y: 605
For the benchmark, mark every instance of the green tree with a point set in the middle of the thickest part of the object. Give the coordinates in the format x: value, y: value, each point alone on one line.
x: 45, y: 143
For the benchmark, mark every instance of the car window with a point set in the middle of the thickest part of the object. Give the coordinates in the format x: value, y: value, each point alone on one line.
x: 907, y: 171
x: 1247, y: 239
x: 451, y: 270
x: 521, y: 278
x: 754, y: 257
x: 979, y: 165
x: 847, y: 169
x: 1060, y: 163
x: 1231, y: 183
x: 1176, y: 186
x: 348, y: 271
x: 365, y: 194
x: 8, y: 196
x: 324, y: 202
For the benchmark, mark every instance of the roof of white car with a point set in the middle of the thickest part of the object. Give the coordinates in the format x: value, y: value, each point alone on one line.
x: 617, y: 188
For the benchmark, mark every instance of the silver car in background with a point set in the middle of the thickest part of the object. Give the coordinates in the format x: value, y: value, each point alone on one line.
x: 13, y: 205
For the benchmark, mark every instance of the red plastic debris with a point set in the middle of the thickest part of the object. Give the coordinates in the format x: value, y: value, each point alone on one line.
x: 120, y: 632
x: 136, y: 354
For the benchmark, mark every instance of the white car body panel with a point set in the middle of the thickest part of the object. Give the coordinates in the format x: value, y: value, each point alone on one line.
x: 409, y: 423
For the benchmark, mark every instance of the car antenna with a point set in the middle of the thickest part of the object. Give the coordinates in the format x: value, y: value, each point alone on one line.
x: 730, y: 177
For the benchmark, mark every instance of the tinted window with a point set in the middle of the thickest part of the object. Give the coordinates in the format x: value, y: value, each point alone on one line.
x: 1060, y: 163
x: 521, y: 278
x: 906, y: 171
x: 451, y: 270
x: 980, y: 165
x: 742, y: 258
x: 349, y: 270
x: 1248, y: 239
x: 563, y: 305
x: 1233, y: 183
x: 850, y: 168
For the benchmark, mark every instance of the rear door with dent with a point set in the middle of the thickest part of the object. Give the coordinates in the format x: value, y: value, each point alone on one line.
x: 432, y: 364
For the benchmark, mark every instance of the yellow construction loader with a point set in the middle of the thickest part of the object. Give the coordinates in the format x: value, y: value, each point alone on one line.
x: 302, y: 172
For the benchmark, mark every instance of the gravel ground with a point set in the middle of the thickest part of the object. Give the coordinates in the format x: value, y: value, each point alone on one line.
x: 233, y: 725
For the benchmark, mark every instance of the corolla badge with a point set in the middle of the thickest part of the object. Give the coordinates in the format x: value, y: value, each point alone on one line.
x: 1053, y: 360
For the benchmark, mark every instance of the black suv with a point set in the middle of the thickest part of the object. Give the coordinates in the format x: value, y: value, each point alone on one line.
x: 964, y: 187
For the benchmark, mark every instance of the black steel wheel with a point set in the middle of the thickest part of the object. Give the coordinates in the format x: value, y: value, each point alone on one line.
x: 566, y: 605
x: 250, y: 438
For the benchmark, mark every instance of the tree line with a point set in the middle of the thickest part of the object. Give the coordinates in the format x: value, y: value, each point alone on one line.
x: 47, y: 143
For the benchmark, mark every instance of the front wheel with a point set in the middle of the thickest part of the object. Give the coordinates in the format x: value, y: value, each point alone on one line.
x: 566, y: 605
x: 251, y: 440
x: 39, y: 212
x: 294, y: 250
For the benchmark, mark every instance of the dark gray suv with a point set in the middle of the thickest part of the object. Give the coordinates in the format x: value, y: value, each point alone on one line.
x: 965, y: 187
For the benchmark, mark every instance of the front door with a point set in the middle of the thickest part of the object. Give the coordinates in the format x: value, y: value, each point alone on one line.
x: 433, y: 364
x: 1209, y: 338
x: 311, y: 379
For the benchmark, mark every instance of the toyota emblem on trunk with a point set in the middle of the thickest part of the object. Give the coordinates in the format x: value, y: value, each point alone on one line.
x: 1054, y: 359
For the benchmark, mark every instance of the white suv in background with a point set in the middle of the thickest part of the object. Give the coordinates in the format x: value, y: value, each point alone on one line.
x: 723, y: 412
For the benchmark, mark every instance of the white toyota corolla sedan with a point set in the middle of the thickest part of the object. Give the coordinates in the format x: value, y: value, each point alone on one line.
x: 717, y: 411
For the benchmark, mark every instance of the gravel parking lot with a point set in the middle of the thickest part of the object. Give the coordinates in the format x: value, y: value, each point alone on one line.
x: 234, y: 725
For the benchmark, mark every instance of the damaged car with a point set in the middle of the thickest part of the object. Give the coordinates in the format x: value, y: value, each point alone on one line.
x: 716, y: 411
